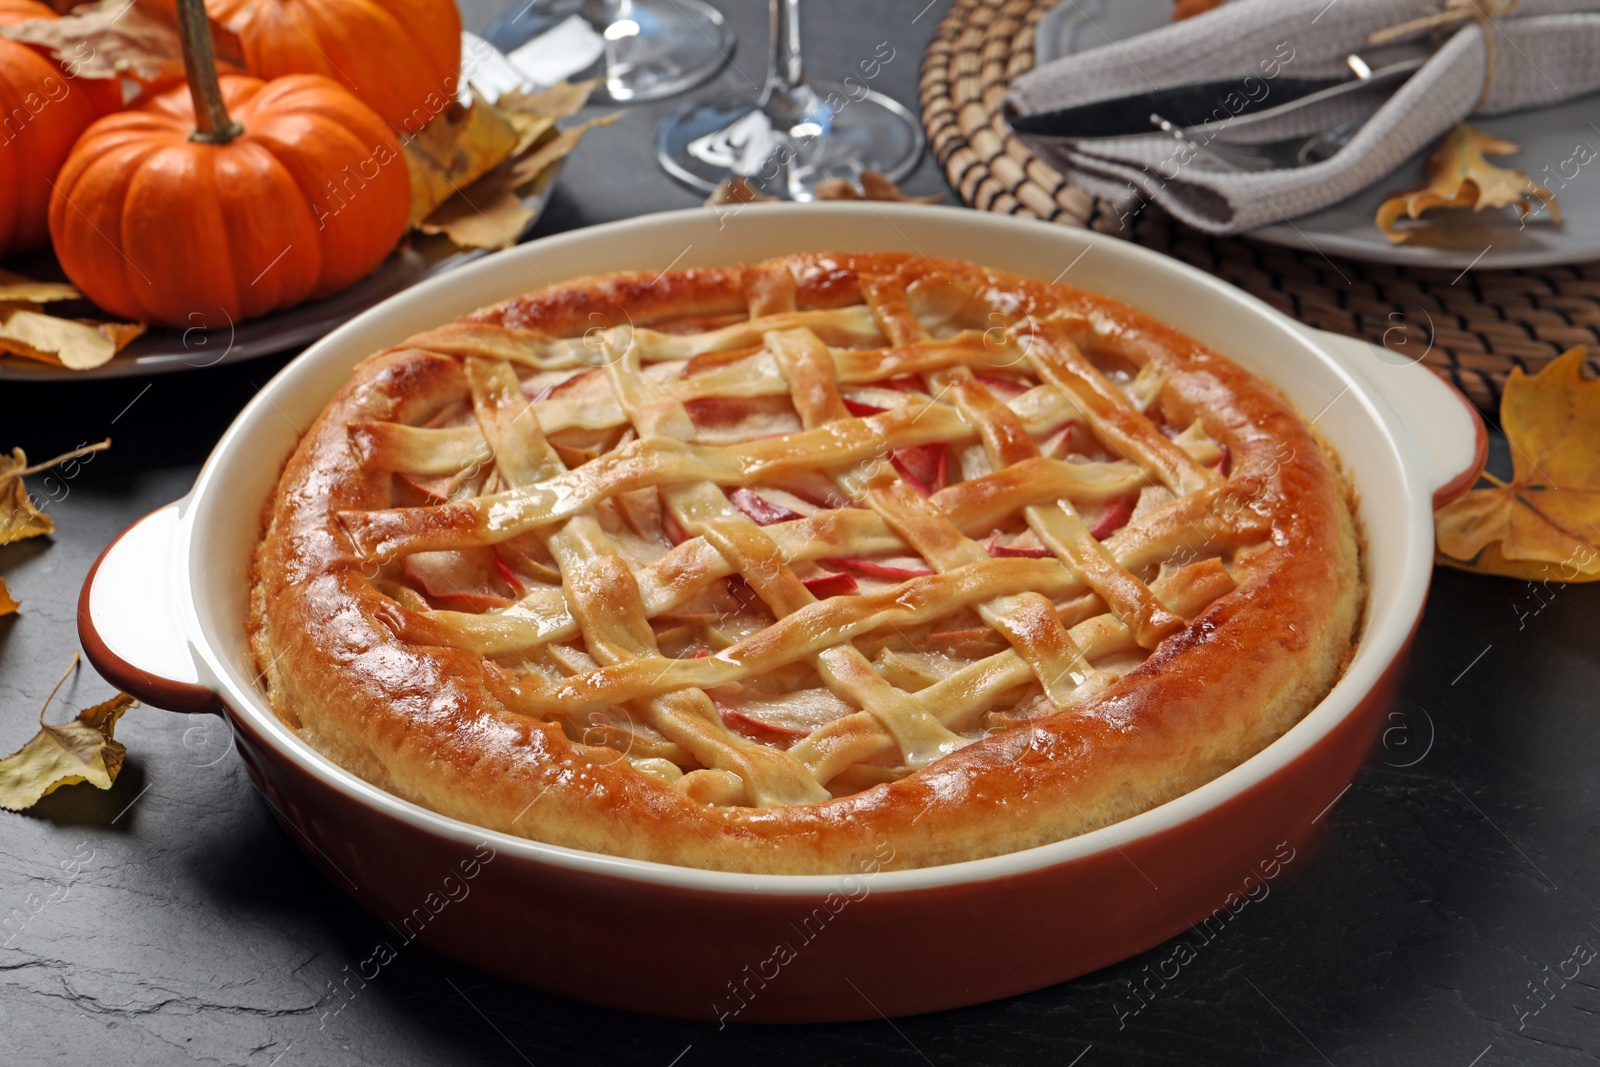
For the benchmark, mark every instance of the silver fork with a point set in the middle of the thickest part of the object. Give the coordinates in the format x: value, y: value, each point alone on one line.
x: 1299, y: 151
x: 1270, y: 155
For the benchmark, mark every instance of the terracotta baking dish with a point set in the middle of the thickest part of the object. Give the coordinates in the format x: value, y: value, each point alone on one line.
x: 162, y: 616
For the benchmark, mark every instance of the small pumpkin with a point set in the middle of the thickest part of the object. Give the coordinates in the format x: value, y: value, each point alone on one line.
x: 43, y: 109
x: 14, y: 11
x: 239, y: 197
x: 401, y: 57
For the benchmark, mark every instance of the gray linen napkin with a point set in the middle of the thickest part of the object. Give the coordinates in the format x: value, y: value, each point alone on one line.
x: 1543, y: 51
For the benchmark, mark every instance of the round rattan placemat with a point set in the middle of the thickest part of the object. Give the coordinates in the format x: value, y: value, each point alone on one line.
x: 1474, y: 325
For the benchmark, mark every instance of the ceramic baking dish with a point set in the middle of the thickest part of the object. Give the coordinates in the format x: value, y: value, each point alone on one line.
x: 162, y: 616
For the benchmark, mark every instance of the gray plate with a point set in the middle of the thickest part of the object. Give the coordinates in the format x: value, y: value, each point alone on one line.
x: 163, y: 351
x: 1549, y: 138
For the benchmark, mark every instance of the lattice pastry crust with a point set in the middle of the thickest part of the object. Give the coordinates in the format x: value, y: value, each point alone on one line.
x: 764, y: 567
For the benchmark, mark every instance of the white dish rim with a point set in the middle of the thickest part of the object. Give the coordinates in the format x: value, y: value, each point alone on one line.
x: 1383, y: 640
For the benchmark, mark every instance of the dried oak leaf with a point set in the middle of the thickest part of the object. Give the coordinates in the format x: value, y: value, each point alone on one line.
x: 1460, y: 176
x: 874, y: 186
x: 82, y: 750
x: 454, y: 150
x: 736, y: 190
x: 19, y: 518
x: 1544, y: 524
x: 77, y: 344
x: 7, y: 605
x: 134, y: 40
x: 18, y: 289
x: 535, y: 114
x: 491, y: 212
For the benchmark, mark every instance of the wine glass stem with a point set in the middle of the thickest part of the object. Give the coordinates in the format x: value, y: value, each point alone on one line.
x: 785, y: 70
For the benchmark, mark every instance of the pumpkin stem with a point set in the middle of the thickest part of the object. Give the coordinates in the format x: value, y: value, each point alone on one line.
x: 213, y: 124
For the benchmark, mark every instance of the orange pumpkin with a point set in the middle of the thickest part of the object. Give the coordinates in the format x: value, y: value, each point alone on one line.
x: 13, y: 11
x: 155, y: 224
x: 42, y: 112
x: 401, y: 57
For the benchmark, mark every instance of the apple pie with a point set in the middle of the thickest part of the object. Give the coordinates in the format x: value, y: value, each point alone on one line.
x: 784, y: 567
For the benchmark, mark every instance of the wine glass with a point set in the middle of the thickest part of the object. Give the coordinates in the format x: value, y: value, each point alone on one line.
x: 644, y: 49
x: 795, y: 133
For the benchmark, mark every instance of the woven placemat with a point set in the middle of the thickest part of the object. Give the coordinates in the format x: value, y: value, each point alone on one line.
x: 1474, y: 325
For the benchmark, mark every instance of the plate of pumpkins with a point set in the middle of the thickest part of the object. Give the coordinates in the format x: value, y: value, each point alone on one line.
x: 185, y: 183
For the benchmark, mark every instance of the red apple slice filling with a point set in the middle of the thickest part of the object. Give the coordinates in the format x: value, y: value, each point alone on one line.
x: 1015, y: 550
x: 1004, y: 388
x: 510, y: 576
x: 861, y: 409
x: 897, y: 569
x: 465, y: 580
x: 760, y: 510
x: 1113, y: 516
x: 836, y: 583
x: 777, y: 720
x: 925, y: 468
x: 1059, y: 444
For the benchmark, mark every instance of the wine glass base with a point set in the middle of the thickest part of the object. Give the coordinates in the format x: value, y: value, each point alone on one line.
x: 650, y: 50
x: 675, y: 45
x: 845, y: 131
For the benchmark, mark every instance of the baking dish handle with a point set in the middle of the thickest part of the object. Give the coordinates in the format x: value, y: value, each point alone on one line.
x: 1447, y: 429
x: 128, y: 617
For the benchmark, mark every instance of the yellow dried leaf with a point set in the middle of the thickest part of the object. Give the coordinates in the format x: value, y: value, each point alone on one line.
x: 1460, y: 176
x: 76, y: 344
x: 16, y: 289
x: 455, y: 150
x: 491, y: 213
x: 19, y: 518
x: 526, y: 168
x: 1544, y: 524
x: 533, y: 115
x: 7, y: 605
x: 874, y: 186
x: 736, y: 190
x: 560, y: 101
x: 82, y: 750
x: 120, y: 39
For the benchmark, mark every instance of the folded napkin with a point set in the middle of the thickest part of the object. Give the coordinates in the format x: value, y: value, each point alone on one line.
x: 1540, y: 52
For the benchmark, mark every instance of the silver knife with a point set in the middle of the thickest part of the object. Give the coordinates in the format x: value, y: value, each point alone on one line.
x: 1192, y: 105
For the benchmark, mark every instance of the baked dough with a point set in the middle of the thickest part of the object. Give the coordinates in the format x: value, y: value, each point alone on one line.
x: 791, y: 566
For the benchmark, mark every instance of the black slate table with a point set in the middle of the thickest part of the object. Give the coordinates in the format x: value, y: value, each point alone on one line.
x: 1440, y: 919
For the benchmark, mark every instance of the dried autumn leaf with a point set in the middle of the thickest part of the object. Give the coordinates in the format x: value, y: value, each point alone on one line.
x: 7, y: 605
x: 1544, y: 524
x: 455, y: 150
x: 17, y: 289
x: 82, y: 750
x: 491, y: 213
x: 874, y: 186
x: 76, y: 344
x: 1460, y: 176
x: 535, y: 114
x: 117, y: 40
x: 19, y: 517
x: 736, y: 190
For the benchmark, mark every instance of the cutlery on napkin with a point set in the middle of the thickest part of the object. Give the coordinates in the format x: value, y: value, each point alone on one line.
x: 1538, y: 52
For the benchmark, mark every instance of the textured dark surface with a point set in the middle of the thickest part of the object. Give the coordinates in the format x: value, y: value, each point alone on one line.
x: 171, y: 920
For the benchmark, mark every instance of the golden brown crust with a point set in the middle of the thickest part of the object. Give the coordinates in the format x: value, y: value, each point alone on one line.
x: 446, y: 728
